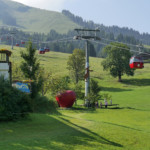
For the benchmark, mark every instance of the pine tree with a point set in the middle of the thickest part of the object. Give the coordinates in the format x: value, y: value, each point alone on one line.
x: 31, y: 69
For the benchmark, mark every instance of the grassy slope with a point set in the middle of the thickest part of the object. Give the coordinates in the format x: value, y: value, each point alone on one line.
x: 43, y: 21
x: 126, y: 128
x: 38, y: 20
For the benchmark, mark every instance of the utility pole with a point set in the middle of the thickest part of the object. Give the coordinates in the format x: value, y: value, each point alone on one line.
x: 12, y: 40
x: 87, y: 34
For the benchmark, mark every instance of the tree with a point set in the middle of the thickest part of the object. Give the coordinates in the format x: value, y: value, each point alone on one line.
x: 31, y: 69
x: 117, y: 60
x: 120, y: 38
x: 58, y: 84
x: 78, y: 90
x: 76, y: 65
x: 47, y: 76
x: 17, y: 74
x: 94, y: 95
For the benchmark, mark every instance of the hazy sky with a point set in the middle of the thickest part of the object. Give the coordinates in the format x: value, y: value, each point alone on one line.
x: 124, y: 13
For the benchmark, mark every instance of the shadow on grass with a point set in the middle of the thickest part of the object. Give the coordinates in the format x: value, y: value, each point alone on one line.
x: 53, y: 132
x: 134, y: 108
x: 92, y: 135
x: 111, y: 89
x: 122, y: 126
x: 115, y: 107
x: 80, y: 109
x: 137, y: 82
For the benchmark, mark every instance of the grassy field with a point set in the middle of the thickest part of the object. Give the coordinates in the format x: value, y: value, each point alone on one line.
x: 125, y: 128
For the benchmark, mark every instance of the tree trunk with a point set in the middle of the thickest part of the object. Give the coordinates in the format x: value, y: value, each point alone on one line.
x: 119, y: 77
x: 76, y: 78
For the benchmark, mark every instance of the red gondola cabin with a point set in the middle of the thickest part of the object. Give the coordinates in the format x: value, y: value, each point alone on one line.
x: 41, y: 51
x: 17, y: 44
x: 46, y: 49
x: 136, y: 63
x: 22, y: 42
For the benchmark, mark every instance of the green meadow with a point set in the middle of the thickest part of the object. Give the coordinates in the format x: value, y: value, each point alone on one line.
x: 126, y: 127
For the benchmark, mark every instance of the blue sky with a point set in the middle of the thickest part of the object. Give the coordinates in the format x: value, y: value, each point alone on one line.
x: 124, y: 13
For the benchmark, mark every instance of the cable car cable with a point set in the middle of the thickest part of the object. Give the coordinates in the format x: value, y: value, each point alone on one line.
x: 123, y: 43
x: 119, y: 47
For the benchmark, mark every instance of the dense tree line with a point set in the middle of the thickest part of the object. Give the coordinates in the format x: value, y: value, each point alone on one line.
x: 54, y: 41
x: 115, y: 30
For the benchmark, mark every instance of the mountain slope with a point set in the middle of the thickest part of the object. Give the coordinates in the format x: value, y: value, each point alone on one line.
x: 33, y: 19
x: 125, y: 31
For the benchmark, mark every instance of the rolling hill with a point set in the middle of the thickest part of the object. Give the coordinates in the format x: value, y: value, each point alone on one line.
x: 33, y: 19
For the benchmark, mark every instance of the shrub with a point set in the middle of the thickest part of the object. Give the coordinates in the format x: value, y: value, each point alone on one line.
x: 44, y: 105
x: 59, y: 84
x: 14, y: 104
x: 94, y: 95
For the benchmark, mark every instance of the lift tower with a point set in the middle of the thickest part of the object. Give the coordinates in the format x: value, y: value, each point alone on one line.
x: 87, y: 35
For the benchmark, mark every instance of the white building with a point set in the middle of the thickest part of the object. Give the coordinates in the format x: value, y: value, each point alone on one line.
x: 5, y: 65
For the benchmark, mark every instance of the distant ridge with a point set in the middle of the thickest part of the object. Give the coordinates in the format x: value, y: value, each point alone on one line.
x: 33, y: 19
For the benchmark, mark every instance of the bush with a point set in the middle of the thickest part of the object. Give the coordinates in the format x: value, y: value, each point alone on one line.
x: 59, y: 84
x: 13, y: 103
x: 94, y: 95
x: 44, y: 105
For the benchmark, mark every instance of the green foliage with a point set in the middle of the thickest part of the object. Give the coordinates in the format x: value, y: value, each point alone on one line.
x: 94, y: 95
x: 30, y: 65
x: 46, y: 81
x: 78, y: 90
x: 31, y: 69
x: 17, y: 74
x: 44, y: 105
x: 94, y: 87
x: 76, y: 65
x: 13, y: 103
x: 59, y: 84
x: 107, y: 96
x: 117, y: 60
